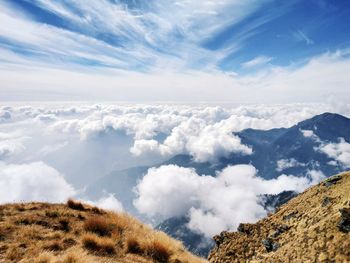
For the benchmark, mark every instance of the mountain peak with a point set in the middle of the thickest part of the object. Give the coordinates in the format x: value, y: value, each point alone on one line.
x: 326, y: 117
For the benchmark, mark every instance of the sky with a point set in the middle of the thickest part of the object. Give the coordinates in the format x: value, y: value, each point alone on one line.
x: 249, y: 51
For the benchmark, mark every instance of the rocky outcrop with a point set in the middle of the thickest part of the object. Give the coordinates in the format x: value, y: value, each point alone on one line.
x: 312, y: 227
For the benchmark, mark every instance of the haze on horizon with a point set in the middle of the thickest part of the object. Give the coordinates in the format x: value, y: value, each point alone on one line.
x: 181, y: 51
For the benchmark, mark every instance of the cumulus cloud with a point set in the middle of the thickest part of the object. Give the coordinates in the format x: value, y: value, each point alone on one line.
x: 338, y: 151
x: 108, y: 202
x: 216, y: 203
x: 12, y: 144
x: 284, y: 164
x: 205, y: 142
x: 33, y: 182
x: 9, y: 148
x: 39, y: 182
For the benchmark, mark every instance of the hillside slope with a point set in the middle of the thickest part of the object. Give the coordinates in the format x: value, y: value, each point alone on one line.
x: 73, y: 232
x: 312, y: 227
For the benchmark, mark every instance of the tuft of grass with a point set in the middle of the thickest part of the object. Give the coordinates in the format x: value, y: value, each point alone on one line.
x: 52, y: 214
x: 14, y: 254
x: 64, y: 225
x: 98, y: 225
x: 133, y: 246
x: 53, y: 246
x: 158, y: 251
x: 44, y: 258
x: 97, y: 210
x: 98, y: 245
x: 71, y: 258
x: 75, y: 205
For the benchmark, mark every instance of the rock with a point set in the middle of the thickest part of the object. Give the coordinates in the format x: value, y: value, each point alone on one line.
x: 322, y: 257
x: 332, y: 180
x: 270, y: 245
x: 279, y: 231
x: 289, y: 216
x: 326, y: 201
x: 244, y: 228
x: 344, y: 223
x: 219, y: 239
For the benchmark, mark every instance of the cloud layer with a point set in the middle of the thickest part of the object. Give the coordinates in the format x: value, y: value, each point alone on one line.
x: 66, y: 147
x: 213, y: 204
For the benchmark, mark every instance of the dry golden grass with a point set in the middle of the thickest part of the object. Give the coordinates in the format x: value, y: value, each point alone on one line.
x: 98, y: 225
x: 305, y: 230
x: 77, y: 233
x: 99, y: 245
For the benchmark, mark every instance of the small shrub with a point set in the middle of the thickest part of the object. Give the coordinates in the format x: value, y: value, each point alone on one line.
x: 98, y: 245
x: 98, y: 225
x: 75, y: 205
x: 133, y: 246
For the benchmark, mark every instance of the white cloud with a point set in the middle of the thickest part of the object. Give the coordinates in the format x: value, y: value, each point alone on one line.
x: 205, y: 142
x: 307, y: 133
x: 212, y: 203
x: 33, y: 182
x: 257, y: 61
x: 281, y: 84
x: 9, y: 148
x: 287, y: 163
x: 338, y: 151
x: 158, y: 131
x: 108, y: 202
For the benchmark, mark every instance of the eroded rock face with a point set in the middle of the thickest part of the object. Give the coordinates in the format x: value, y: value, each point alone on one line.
x: 312, y: 227
x: 344, y: 223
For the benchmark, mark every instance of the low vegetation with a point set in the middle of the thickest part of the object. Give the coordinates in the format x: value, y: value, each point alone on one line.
x: 76, y: 233
x: 312, y: 227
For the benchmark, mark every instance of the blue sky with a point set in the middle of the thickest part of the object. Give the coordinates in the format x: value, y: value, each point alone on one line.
x: 110, y: 49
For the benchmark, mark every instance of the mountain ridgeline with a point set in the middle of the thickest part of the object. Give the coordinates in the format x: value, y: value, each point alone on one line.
x: 298, y: 146
x: 312, y: 227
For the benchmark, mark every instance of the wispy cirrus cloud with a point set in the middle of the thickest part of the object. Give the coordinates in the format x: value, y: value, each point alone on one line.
x: 171, y: 50
x: 299, y: 35
x: 257, y: 61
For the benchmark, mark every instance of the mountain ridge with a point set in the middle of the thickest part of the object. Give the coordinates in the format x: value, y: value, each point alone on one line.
x: 79, y: 233
x: 312, y: 227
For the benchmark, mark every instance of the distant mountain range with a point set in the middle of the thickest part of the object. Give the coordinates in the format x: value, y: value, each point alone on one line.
x: 291, y: 150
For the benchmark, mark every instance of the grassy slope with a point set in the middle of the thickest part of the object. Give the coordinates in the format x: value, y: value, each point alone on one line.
x: 41, y: 232
x: 303, y: 230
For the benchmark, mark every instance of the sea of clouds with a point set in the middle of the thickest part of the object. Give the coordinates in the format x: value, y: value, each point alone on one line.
x: 53, y: 151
